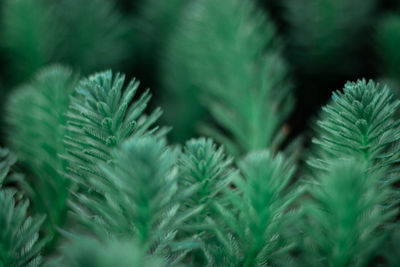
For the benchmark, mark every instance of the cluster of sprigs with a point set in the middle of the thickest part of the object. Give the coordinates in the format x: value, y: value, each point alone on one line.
x: 110, y: 191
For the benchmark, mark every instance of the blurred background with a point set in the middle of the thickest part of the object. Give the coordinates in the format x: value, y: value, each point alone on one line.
x: 324, y: 42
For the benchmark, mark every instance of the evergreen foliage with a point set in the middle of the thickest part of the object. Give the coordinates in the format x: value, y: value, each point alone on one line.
x: 204, y: 165
x: 36, y: 117
x: 101, y: 115
x: 252, y: 231
x: 347, y: 220
x: 19, y: 245
x: 227, y: 52
x: 359, y: 122
x: 108, y: 189
x: 140, y: 195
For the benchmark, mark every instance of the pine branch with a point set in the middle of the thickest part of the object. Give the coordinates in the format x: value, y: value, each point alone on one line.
x: 103, y: 114
x: 347, y: 220
x: 205, y: 166
x: 141, y: 200
x: 227, y: 52
x: 19, y: 245
x: 252, y: 231
x: 359, y: 123
x: 36, y: 117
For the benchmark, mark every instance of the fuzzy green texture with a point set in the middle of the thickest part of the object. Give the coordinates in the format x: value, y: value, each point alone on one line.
x: 19, y: 245
x: 252, y: 230
x: 141, y: 197
x: 103, y: 114
x: 347, y: 220
x: 226, y: 53
x: 359, y: 123
x: 204, y: 164
x: 37, y: 120
x: 88, y: 252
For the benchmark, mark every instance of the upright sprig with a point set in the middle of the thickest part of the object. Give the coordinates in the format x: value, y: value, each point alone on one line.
x: 19, y: 233
x: 347, y: 220
x: 141, y: 197
x: 226, y: 51
x: 359, y: 122
x: 252, y: 232
x: 203, y: 164
x: 37, y: 120
x: 101, y: 115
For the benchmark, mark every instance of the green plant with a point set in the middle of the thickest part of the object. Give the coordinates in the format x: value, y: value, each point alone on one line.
x: 252, y: 229
x: 227, y: 53
x: 37, y: 121
x: 19, y: 245
x: 108, y: 183
x: 347, y: 221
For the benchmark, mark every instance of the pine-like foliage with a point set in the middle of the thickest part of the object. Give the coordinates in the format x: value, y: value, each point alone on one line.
x: 227, y: 52
x: 347, y: 220
x: 204, y: 165
x: 325, y: 32
x: 27, y: 34
x: 19, y: 245
x: 101, y: 115
x: 141, y: 197
x: 359, y: 123
x: 252, y: 231
x: 388, y: 38
x: 87, y: 252
x: 36, y: 117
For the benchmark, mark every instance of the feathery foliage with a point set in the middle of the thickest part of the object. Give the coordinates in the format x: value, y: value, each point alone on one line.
x: 346, y: 220
x: 140, y: 199
x: 227, y: 52
x: 325, y: 32
x: 36, y: 117
x: 19, y: 245
x: 101, y: 115
x: 87, y: 252
x: 359, y: 122
x: 204, y: 165
x: 252, y: 231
